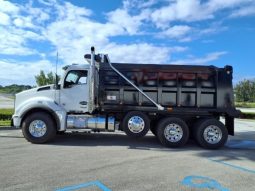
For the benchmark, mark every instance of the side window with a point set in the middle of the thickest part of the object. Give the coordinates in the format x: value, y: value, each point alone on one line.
x: 82, y: 80
x: 75, y: 77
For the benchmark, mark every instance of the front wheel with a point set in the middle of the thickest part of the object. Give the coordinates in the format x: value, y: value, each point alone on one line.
x: 136, y: 124
x: 172, y: 132
x: 210, y: 133
x: 38, y: 128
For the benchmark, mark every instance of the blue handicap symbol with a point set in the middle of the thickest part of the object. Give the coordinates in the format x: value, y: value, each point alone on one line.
x: 202, y: 182
x: 85, y: 185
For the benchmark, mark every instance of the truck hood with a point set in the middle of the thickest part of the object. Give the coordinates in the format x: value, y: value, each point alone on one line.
x: 33, y: 90
x: 43, y: 91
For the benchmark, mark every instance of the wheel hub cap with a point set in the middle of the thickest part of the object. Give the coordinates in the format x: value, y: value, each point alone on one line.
x: 37, y: 128
x: 136, y: 124
x: 173, y: 132
x: 212, y: 134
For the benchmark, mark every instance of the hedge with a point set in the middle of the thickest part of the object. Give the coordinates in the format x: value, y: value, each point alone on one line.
x: 5, y: 117
x: 6, y: 114
x: 247, y: 115
x: 245, y: 104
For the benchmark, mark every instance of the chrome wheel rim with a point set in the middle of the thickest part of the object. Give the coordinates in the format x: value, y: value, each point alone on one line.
x: 136, y: 124
x: 212, y: 134
x: 173, y: 132
x: 37, y: 128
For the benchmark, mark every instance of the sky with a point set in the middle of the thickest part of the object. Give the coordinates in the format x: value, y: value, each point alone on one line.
x: 193, y: 32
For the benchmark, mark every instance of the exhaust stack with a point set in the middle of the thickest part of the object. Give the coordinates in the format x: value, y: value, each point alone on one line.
x: 91, y: 105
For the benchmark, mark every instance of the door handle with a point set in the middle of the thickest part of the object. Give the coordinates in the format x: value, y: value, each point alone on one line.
x: 83, y: 103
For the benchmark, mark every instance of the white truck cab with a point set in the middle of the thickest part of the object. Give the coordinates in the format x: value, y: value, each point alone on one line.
x: 71, y: 95
x: 69, y: 104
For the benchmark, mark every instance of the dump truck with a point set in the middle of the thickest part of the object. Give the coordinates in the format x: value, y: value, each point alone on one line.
x: 174, y: 102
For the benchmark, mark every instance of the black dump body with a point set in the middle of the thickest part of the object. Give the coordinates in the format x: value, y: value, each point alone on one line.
x: 186, y: 89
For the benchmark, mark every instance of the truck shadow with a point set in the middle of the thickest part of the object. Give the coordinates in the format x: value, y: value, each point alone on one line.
x: 149, y: 142
x: 235, y: 148
x: 240, y: 147
x: 228, y: 154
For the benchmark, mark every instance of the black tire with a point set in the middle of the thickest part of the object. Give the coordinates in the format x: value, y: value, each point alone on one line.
x: 61, y: 133
x: 161, y: 128
x: 199, y: 130
x: 49, y: 123
x: 136, y: 115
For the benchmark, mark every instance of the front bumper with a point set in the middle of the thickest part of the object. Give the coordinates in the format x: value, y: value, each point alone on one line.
x: 16, y: 121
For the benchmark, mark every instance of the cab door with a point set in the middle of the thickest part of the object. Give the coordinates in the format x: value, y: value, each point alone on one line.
x: 75, y: 91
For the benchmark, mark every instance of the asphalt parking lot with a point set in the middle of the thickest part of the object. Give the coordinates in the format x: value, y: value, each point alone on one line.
x: 113, y: 162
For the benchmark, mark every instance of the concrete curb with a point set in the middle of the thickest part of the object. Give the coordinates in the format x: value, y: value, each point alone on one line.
x: 8, y: 128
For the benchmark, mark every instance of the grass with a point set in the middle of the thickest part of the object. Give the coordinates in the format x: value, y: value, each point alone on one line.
x: 245, y: 104
x: 6, y: 111
x: 5, y: 117
x: 5, y: 123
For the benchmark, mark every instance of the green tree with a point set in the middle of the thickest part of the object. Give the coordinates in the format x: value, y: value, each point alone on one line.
x: 50, y: 78
x: 42, y: 79
x: 245, y: 91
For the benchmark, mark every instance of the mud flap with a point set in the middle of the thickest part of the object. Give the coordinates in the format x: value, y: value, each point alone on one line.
x: 230, y: 125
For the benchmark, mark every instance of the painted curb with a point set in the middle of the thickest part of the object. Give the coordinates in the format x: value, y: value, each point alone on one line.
x: 8, y: 128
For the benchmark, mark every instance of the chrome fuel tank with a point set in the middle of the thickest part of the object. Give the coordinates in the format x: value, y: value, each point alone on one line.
x: 90, y: 122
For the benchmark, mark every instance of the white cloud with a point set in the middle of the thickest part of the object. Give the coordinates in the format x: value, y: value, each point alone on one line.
x: 216, y: 5
x: 24, y: 22
x: 4, y: 19
x: 138, y: 53
x: 71, y: 12
x: 121, y: 18
x: 39, y: 16
x: 23, y: 71
x: 131, y: 24
x: 18, y: 22
x: 131, y: 4
x: 74, y: 40
x: 200, y: 61
x: 180, y: 10
x: 176, y: 31
x: 8, y: 7
x: 244, y: 11
x: 213, y: 28
x: 72, y: 33
x: 21, y: 26
x: 185, y: 33
x: 13, y: 41
x: 47, y: 2
x: 193, y: 10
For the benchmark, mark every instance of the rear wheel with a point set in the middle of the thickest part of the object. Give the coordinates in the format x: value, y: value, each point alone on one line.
x: 136, y: 124
x: 172, y: 132
x: 210, y: 133
x: 38, y: 128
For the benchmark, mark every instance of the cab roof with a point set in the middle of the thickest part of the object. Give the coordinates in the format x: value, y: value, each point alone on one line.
x: 76, y: 67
